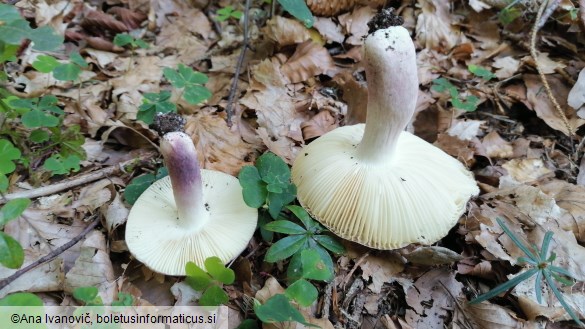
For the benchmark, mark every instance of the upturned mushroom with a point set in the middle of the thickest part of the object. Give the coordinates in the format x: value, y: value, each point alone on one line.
x: 190, y: 215
x: 374, y: 183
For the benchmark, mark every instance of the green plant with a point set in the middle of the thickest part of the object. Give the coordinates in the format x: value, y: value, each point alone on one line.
x: 68, y: 71
x: 267, y: 183
x: 14, y: 29
x: 8, y: 154
x: 154, y: 103
x: 509, y: 13
x: 141, y: 183
x: 228, y: 12
x: 279, y: 308
x: 299, y: 9
x: 481, y: 72
x: 41, y: 134
x: 21, y: 299
x: 301, y: 238
x: 11, y: 252
x: 90, y: 297
x: 541, y: 266
x: 210, y: 282
x: 468, y: 104
x: 190, y: 81
x: 125, y: 39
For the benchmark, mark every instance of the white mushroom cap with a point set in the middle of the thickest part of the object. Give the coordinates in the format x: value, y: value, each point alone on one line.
x: 376, y: 184
x: 416, y: 198
x: 218, y: 224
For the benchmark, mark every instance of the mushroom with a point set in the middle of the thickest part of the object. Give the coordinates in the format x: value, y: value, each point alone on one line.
x: 190, y: 215
x: 376, y: 184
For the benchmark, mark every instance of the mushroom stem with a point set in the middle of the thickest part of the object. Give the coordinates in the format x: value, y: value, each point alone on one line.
x: 390, y: 63
x: 181, y: 160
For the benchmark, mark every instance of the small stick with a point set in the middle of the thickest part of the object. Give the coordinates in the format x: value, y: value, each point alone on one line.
x: 49, y: 256
x: 234, y: 88
x: 73, y: 182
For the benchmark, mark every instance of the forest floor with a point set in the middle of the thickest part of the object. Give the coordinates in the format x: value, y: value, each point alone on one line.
x: 482, y: 100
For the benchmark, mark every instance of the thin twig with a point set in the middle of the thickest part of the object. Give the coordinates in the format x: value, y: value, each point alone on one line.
x: 50, y: 256
x: 549, y: 93
x: 73, y: 182
x: 234, y: 88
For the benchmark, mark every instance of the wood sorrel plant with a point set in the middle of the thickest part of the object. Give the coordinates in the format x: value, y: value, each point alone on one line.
x: 541, y: 266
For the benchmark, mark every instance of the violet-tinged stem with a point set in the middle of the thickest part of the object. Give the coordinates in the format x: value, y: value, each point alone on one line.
x: 181, y: 160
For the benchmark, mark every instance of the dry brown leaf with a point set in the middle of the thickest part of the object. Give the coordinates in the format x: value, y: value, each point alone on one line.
x: 309, y: 59
x: 52, y: 14
x: 194, y: 27
x: 462, y: 150
x: 39, y: 230
x: 97, y: 21
x: 94, y: 195
x: 506, y: 66
x: 491, y: 316
x: 130, y: 18
x: 482, y: 269
x: 432, y: 299
x: 286, y: 31
x: 219, y: 147
x: 381, y: 269
x: 46, y: 277
x: 320, y: 124
x: 329, y: 30
x: 355, y: 24
x: 432, y: 255
x: 93, y: 268
x: 538, y: 213
x: 543, y: 107
x: 434, y: 28
x: 572, y: 199
x: 546, y: 64
x: 465, y: 130
x: 496, y: 147
x: 116, y: 213
x: 355, y: 94
x: 524, y: 171
x: 279, y: 122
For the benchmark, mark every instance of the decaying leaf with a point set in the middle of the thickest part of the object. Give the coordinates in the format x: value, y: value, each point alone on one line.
x: 524, y: 171
x: 432, y: 255
x: 219, y: 147
x: 432, y: 298
x: 318, y: 125
x: 93, y: 268
x: 310, y: 59
x: 46, y: 277
x: 381, y: 270
x: 496, y: 147
x: 487, y: 315
x: 286, y: 31
x: 544, y: 108
x: 434, y: 28
x: 355, y: 24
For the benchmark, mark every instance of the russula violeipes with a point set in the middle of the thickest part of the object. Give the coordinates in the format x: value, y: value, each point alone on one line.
x: 190, y: 215
x: 376, y: 184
